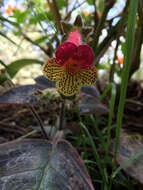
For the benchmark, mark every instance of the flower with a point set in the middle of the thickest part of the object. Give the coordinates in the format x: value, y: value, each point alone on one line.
x: 99, y: 14
x: 120, y: 60
x: 47, y: 5
x: 10, y: 9
x: 86, y: 13
x: 72, y: 67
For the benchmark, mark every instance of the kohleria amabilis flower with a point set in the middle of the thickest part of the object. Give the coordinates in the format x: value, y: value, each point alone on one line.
x: 72, y: 67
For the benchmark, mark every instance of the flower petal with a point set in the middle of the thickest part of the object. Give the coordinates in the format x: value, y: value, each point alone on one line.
x: 65, y: 51
x: 85, y: 55
x: 75, y: 37
x: 69, y: 84
x: 52, y: 69
x: 88, y: 76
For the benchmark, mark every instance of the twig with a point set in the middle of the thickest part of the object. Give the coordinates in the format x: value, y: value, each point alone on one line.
x: 31, y: 41
x: 101, y: 23
x: 137, y: 103
x: 112, y: 34
x: 119, y: 29
x: 2, y: 63
x: 103, y: 48
x: 56, y: 14
x: 62, y: 113
x: 25, y: 36
x: 28, y: 134
x: 74, y: 8
x: 96, y: 19
x: 112, y: 69
x: 38, y: 120
x: 7, y: 128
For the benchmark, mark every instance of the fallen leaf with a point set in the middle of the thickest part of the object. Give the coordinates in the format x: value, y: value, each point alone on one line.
x: 41, y: 80
x: 129, y: 147
x: 91, y: 90
x: 21, y: 95
x: 91, y: 104
x: 41, y: 165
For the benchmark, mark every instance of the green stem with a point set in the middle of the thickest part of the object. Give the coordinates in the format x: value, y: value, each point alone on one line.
x: 111, y: 113
x: 125, y: 75
x: 99, y: 27
x: 95, y: 153
x: 106, y: 90
x: 112, y: 69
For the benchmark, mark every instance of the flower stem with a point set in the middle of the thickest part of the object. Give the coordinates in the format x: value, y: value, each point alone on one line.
x: 62, y: 113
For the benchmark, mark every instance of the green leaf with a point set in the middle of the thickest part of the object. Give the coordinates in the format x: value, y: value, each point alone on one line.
x: 17, y: 33
x: 130, y: 36
x: 20, y: 16
x: 41, y: 16
x: 102, y: 66
x: 125, y: 163
x: 33, y: 20
x: 41, y: 39
x: 100, y: 6
x: 106, y: 90
x: 90, y: 2
x: 15, y: 66
x: 9, y: 21
x: 123, y: 47
x: 110, y: 117
x: 61, y: 4
x: 49, y: 15
x: 44, y: 16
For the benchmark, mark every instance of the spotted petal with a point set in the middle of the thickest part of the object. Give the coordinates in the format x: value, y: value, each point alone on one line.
x: 69, y: 84
x: 88, y: 76
x: 52, y: 70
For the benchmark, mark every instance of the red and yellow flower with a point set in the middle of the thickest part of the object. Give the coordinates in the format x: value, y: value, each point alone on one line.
x: 71, y: 67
